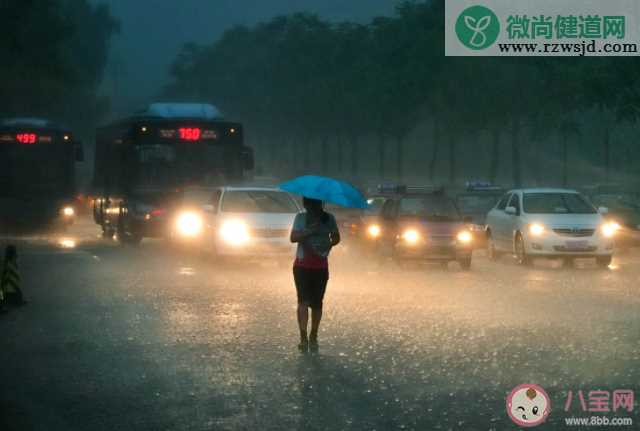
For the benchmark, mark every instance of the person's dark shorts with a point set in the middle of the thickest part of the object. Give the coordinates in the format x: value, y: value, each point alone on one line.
x: 311, y: 285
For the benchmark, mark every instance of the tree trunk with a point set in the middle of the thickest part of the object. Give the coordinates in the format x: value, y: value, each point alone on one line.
x: 324, y: 147
x: 355, y: 157
x: 274, y: 160
x: 381, y: 151
x: 494, y: 163
x: 307, y: 153
x: 434, y: 153
x: 340, y: 156
x: 537, y: 150
x: 515, y: 153
x: 607, y: 154
x: 295, y: 158
x: 452, y: 158
x: 400, y: 158
x: 565, y: 155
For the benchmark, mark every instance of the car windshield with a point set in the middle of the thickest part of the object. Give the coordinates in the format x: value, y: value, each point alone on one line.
x: 557, y: 203
x: 258, y: 202
x: 476, y: 204
x: 375, y: 205
x: 617, y: 201
x: 429, y: 208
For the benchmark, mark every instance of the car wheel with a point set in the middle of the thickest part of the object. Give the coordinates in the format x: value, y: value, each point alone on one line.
x: 603, y: 261
x: 521, y: 253
x: 465, y: 263
x: 492, y: 253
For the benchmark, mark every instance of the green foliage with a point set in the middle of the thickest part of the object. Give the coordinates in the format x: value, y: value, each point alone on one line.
x: 300, y: 76
x: 54, y: 54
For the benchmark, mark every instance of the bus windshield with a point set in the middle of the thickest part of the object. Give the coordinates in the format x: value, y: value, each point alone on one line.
x: 163, y: 165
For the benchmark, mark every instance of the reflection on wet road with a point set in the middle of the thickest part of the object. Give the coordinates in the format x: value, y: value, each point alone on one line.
x: 152, y: 338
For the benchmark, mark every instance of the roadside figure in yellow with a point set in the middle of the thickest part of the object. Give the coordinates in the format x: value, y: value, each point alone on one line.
x: 10, y: 281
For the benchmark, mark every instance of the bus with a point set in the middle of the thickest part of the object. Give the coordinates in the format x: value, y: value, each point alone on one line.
x: 145, y: 162
x: 37, y: 173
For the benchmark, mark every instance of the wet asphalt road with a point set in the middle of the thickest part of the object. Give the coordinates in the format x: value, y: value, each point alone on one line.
x: 150, y: 338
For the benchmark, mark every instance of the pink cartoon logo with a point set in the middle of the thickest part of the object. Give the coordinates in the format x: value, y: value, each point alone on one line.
x: 528, y: 405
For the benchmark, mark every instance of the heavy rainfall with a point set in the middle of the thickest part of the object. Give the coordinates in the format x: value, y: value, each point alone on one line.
x: 240, y: 215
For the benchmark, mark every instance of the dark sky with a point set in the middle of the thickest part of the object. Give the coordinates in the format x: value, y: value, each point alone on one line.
x: 153, y: 31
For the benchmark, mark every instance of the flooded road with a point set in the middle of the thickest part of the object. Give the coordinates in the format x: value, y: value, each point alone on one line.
x: 154, y: 338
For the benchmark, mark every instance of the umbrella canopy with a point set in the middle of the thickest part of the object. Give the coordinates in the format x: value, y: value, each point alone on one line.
x: 327, y: 190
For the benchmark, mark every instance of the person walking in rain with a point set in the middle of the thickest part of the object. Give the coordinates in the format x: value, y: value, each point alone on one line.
x: 316, y: 233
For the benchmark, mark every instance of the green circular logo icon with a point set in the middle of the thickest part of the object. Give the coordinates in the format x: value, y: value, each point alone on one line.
x: 477, y: 27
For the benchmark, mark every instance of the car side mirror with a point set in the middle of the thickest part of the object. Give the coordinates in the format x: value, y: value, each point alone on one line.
x: 467, y: 219
x: 603, y: 210
x: 511, y: 210
x: 79, y: 151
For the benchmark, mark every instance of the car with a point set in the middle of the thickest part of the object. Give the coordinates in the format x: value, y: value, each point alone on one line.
x: 549, y: 223
x: 624, y: 210
x: 475, y: 202
x: 250, y: 222
x: 424, y: 226
x: 363, y: 231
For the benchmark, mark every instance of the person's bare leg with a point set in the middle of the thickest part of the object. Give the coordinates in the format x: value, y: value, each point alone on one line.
x: 303, y: 322
x: 316, y: 316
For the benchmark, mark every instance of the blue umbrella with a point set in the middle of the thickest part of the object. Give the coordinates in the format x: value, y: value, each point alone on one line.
x: 327, y: 190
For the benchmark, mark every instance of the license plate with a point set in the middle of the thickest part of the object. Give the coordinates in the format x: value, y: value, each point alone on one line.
x: 577, y: 245
x: 443, y: 242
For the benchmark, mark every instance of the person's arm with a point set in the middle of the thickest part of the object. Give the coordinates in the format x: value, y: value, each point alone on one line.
x: 300, y: 235
x: 299, y: 232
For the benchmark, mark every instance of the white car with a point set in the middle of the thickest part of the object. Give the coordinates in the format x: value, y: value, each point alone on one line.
x: 546, y: 222
x: 251, y: 221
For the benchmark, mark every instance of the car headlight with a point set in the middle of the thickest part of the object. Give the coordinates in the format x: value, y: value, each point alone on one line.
x: 465, y: 237
x: 411, y: 236
x: 68, y: 211
x: 536, y: 229
x: 609, y: 229
x: 190, y: 224
x: 374, y: 231
x: 235, y: 232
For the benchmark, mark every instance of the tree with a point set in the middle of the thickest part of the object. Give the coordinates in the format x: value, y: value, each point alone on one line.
x: 58, y: 51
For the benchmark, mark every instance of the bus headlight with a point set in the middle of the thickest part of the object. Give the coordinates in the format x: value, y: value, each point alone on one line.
x: 68, y: 211
x: 411, y: 236
x: 374, y: 231
x: 189, y: 224
x: 235, y: 232
x: 536, y: 229
x: 465, y: 237
x: 609, y: 229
